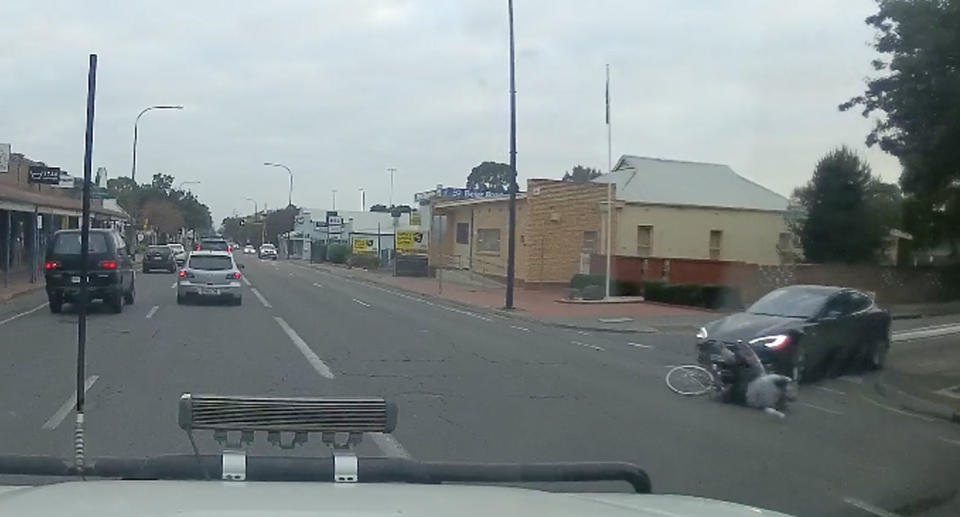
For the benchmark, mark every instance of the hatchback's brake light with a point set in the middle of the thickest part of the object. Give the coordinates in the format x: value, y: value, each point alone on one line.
x: 233, y: 276
x: 51, y: 264
x: 108, y: 264
x: 183, y: 274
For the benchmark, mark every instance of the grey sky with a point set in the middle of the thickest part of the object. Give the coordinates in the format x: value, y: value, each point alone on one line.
x: 340, y: 90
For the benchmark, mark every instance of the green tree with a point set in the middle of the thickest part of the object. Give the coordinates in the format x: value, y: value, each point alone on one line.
x: 581, y: 174
x: 490, y: 177
x: 916, y: 98
x: 841, y: 223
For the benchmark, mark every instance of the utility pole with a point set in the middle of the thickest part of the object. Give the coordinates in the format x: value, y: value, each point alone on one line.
x: 512, y: 230
x: 609, y: 232
x: 391, y: 170
x: 334, y: 192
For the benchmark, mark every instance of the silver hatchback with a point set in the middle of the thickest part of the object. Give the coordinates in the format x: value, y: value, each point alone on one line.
x: 212, y: 275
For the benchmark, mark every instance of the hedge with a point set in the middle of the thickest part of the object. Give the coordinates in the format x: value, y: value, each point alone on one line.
x: 695, y: 295
x: 364, y: 260
x: 338, y: 253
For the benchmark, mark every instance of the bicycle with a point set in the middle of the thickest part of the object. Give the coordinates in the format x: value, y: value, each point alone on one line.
x: 692, y: 380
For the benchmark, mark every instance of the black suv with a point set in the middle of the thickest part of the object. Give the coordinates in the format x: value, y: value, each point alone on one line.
x: 159, y: 257
x: 109, y: 269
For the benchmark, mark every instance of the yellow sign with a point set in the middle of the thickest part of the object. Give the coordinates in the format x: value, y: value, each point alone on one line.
x: 363, y: 245
x: 410, y: 241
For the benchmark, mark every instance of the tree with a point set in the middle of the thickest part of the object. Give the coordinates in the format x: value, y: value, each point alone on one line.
x: 917, y: 96
x: 840, y: 225
x: 490, y: 177
x: 379, y: 208
x: 279, y: 221
x: 581, y: 174
x: 164, y: 216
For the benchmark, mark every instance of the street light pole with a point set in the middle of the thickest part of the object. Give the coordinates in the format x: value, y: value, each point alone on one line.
x: 290, y: 172
x: 511, y: 231
x: 363, y: 199
x: 133, y: 168
x: 256, y: 213
x: 391, y: 170
x: 334, y: 192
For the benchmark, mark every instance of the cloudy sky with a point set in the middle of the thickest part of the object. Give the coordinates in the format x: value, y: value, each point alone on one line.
x: 341, y: 90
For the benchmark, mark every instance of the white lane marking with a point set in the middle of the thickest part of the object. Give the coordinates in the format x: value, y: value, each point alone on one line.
x: 851, y: 379
x: 465, y: 313
x: 261, y: 298
x: 311, y: 357
x: 583, y: 333
x: 588, y: 345
x: 830, y: 390
x: 173, y: 285
x: 245, y: 281
x: 153, y: 310
x: 521, y: 329
x: 317, y: 285
x: 24, y: 313
x: 950, y: 441
x: 895, y: 410
x: 639, y: 345
x: 389, y: 445
x: 925, y: 332
x: 820, y: 408
x: 361, y: 302
x: 64, y: 410
x: 950, y: 391
x: 869, y: 508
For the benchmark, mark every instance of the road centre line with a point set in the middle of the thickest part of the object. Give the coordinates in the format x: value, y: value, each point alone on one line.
x: 153, y: 310
x: 244, y: 278
x: 895, y: 410
x: 588, y: 345
x: 24, y: 313
x: 950, y: 441
x: 389, y: 445
x: 64, y: 410
x: 304, y: 348
x: 522, y: 329
x: 317, y: 285
x: 365, y: 304
x: 830, y: 390
x: 869, y: 508
x: 820, y: 408
x: 639, y: 345
x: 173, y: 285
x: 261, y: 298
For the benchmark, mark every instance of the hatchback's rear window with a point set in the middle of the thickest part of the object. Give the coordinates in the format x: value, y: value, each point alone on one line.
x: 214, y: 245
x: 210, y: 262
x: 69, y: 243
x: 162, y: 250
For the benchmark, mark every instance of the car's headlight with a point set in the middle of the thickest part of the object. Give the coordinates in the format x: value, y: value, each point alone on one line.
x: 775, y: 341
x: 702, y: 334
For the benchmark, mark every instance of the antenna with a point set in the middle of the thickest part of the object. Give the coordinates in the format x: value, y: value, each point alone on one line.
x: 78, y: 444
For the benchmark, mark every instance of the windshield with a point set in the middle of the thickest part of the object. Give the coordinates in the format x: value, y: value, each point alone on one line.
x: 210, y: 262
x: 158, y: 250
x: 793, y: 303
x: 513, y: 219
x: 69, y: 243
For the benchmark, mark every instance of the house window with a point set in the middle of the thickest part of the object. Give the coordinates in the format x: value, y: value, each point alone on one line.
x: 644, y: 240
x: 716, y: 242
x: 463, y: 233
x: 589, y: 242
x: 488, y: 240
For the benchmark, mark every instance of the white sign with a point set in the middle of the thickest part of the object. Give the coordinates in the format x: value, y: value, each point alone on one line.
x: 335, y: 229
x: 334, y: 220
x: 4, y: 158
x: 140, y: 237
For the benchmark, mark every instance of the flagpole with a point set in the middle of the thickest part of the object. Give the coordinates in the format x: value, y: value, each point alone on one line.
x: 609, y: 232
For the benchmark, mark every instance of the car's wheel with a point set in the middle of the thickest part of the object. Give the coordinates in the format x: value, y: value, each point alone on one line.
x: 115, y: 303
x: 877, y: 354
x: 56, y: 303
x: 129, y: 296
x: 798, y: 363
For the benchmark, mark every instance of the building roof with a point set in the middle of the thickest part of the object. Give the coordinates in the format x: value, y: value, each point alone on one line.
x: 359, y: 221
x: 670, y: 182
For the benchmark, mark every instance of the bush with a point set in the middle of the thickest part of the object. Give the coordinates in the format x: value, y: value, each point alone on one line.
x: 593, y: 292
x: 364, y: 260
x: 695, y: 295
x: 338, y: 253
x: 617, y: 287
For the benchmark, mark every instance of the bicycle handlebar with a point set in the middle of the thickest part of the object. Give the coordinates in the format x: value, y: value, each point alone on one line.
x: 370, y: 470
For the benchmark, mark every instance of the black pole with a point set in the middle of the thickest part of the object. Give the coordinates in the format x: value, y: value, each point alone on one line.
x: 85, y: 234
x: 512, y: 230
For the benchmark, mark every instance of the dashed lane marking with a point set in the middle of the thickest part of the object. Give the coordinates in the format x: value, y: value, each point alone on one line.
x: 869, y: 508
x: 361, y: 302
x: 153, y: 310
x: 895, y: 410
x: 588, y: 345
x: 521, y: 329
x: 830, y: 390
x: 24, y: 313
x: 389, y: 445
x: 304, y: 348
x: 819, y: 408
x: 261, y: 298
x: 639, y: 345
x: 245, y: 281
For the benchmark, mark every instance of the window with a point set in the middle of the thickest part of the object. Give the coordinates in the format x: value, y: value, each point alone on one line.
x: 644, y: 240
x: 69, y: 243
x: 488, y: 241
x: 463, y: 233
x: 589, y: 242
x: 211, y: 262
x: 859, y: 302
x: 716, y: 241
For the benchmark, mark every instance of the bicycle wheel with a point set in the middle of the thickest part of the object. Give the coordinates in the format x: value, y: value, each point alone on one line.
x: 690, y: 380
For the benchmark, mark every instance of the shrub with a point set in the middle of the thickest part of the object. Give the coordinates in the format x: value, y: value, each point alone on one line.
x: 338, y: 253
x: 593, y: 292
x: 364, y: 260
x: 617, y: 287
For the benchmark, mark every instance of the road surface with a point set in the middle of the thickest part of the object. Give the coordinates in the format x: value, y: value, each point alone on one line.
x: 471, y: 386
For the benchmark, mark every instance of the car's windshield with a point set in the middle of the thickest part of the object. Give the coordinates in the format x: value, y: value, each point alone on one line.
x: 176, y: 247
x: 210, y: 262
x: 69, y: 243
x: 792, y: 303
x: 159, y: 250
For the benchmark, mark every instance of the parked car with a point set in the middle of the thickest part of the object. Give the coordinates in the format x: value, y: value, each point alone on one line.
x: 268, y: 251
x: 110, y: 275
x: 249, y: 249
x: 159, y: 257
x: 213, y: 244
x: 805, y: 331
x: 179, y: 252
x: 211, y: 275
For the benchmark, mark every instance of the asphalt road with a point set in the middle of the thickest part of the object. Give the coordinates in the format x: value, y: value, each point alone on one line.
x: 471, y: 386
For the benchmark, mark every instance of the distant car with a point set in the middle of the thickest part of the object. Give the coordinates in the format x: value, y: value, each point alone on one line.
x: 179, y: 252
x: 803, y: 331
x: 159, y: 257
x: 110, y: 274
x: 268, y: 251
x: 213, y: 275
x: 249, y: 249
x: 212, y: 244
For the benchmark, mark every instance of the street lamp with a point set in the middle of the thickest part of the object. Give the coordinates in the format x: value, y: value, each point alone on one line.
x: 290, y: 172
x: 391, y: 170
x: 182, y: 183
x: 334, y: 192
x: 133, y: 168
x: 363, y: 199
